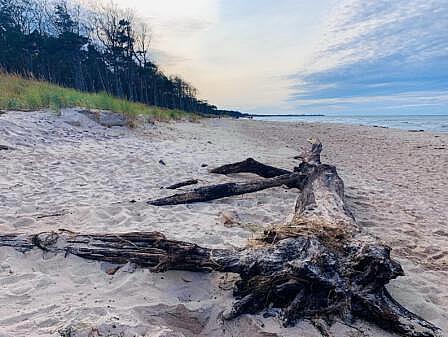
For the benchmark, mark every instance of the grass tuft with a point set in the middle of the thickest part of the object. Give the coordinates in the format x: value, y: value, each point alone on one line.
x: 18, y: 93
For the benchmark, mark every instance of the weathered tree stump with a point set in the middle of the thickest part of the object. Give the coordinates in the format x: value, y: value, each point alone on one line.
x: 320, y: 266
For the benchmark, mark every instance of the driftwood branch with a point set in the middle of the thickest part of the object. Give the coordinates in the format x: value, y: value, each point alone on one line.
x: 5, y: 147
x: 147, y: 249
x: 251, y: 166
x: 320, y: 266
x: 276, y: 177
x: 218, y: 191
x: 312, y: 156
x: 182, y: 184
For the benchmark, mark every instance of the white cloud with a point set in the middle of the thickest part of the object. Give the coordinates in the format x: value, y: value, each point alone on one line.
x: 241, y: 53
x: 236, y: 52
x: 174, y: 9
x: 359, y: 30
x: 377, y: 51
x: 417, y: 98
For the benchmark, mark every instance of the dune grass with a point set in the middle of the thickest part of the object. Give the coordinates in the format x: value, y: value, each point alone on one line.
x: 18, y: 93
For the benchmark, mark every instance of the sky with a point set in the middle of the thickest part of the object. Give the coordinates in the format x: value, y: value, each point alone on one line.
x: 344, y: 57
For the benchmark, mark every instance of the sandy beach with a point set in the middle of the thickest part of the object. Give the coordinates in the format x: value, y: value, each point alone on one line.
x: 66, y: 171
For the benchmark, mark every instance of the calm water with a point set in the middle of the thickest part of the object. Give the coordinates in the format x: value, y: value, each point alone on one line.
x: 434, y: 123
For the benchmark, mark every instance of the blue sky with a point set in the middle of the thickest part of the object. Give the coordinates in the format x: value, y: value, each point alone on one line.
x: 380, y: 57
x: 296, y: 56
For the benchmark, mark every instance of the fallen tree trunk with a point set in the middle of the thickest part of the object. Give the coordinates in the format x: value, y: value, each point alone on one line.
x: 218, y: 191
x: 250, y: 165
x: 319, y: 266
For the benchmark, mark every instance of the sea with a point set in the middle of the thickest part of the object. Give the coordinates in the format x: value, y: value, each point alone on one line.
x: 432, y: 123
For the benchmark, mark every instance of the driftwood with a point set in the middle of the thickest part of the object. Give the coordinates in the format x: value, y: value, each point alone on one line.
x: 182, y: 184
x: 146, y: 249
x: 218, y: 191
x: 5, y: 147
x: 250, y: 165
x: 304, y: 276
x: 320, y: 266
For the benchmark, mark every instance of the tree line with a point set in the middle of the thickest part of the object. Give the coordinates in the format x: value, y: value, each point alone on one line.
x: 102, y: 49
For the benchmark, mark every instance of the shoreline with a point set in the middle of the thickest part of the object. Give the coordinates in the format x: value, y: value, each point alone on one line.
x: 355, y: 121
x: 395, y: 185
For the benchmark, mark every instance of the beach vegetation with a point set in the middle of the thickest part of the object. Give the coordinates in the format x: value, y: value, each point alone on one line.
x: 18, y: 93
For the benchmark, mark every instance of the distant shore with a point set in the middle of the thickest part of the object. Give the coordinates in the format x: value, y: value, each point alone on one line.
x: 284, y: 116
x: 415, y: 123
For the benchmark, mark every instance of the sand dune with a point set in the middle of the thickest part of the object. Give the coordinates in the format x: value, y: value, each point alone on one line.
x: 69, y: 172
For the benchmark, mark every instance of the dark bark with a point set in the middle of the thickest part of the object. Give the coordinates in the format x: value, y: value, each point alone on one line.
x: 182, y: 184
x: 218, y: 191
x: 5, y: 147
x: 251, y: 166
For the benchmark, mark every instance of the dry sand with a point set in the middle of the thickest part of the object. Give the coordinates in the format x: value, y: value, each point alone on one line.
x: 69, y: 172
